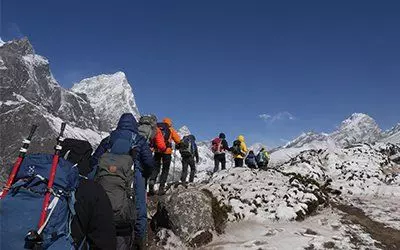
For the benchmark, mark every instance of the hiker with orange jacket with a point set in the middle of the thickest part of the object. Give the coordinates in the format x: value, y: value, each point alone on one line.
x: 169, y: 135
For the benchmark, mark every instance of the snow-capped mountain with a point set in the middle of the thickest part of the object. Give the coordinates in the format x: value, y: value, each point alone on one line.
x: 183, y: 131
x: 392, y: 135
x: 358, y: 128
x: 256, y: 147
x: 110, y: 96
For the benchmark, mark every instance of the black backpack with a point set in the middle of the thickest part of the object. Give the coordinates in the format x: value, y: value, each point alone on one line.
x: 165, y: 131
x: 78, y: 152
x: 188, y: 146
x: 236, y: 149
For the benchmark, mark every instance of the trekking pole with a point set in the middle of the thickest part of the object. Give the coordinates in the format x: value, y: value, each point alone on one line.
x: 174, y: 163
x: 53, y: 170
x: 18, y: 162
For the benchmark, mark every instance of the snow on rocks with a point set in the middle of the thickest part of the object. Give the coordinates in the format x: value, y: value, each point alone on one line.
x: 358, y: 169
x: 261, y: 195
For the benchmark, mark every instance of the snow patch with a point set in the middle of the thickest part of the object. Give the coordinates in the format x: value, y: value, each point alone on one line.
x: 35, y: 60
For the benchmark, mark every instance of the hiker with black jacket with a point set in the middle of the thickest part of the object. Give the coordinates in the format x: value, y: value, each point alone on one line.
x: 189, y: 152
x: 93, y: 223
x: 219, y: 147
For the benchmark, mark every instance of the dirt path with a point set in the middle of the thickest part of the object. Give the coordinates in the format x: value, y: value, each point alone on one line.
x: 387, y: 236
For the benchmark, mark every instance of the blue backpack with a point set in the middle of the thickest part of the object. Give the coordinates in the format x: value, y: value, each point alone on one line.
x: 20, y: 209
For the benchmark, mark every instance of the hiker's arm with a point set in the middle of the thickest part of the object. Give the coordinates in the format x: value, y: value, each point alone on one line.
x: 225, y: 145
x: 175, y: 137
x: 101, y: 149
x: 146, y: 159
x: 243, y: 147
x: 196, y: 155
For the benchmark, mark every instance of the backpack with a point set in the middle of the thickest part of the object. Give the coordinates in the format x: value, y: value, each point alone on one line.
x: 20, y: 210
x: 148, y: 127
x: 216, y: 146
x: 251, y: 160
x: 165, y: 131
x: 262, y: 158
x: 78, y: 152
x: 188, y: 146
x: 236, y: 148
x: 116, y: 175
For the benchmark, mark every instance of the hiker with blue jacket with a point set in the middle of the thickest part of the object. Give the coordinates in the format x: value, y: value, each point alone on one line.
x: 250, y: 160
x: 114, y: 157
x: 188, y: 150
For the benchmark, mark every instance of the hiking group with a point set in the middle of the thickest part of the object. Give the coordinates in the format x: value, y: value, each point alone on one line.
x: 98, y: 201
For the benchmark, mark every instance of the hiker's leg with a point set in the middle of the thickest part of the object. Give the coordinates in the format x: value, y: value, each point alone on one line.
x: 240, y: 162
x: 185, y: 163
x: 223, y: 161
x: 156, y: 171
x: 141, y: 208
x: 192, y: 169
x: 216, y: 163
x: 237, y: 162
x: 165, y: 170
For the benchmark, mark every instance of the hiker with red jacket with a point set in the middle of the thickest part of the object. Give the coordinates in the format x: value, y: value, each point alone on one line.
x: 169, y: 134
x: 219, y: 147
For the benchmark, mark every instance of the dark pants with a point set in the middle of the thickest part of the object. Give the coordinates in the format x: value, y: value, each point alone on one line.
x: 238, y: 162
x: 166, y: 163
x: 186, y: 162
x: 219, y: 158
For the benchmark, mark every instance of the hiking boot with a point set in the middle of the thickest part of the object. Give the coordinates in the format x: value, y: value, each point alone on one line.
x: 151, y: 190
x: 161, y: 191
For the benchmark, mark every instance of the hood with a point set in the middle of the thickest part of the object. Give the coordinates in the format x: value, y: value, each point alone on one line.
x: 222, y: 136
x: 127, y: 122
x: 241, y: 138
x: 168, y: 121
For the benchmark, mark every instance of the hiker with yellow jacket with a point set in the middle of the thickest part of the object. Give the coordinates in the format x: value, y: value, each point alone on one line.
x: 239, y: 150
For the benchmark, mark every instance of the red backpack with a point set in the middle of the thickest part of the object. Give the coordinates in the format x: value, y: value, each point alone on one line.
x: 216, y: 146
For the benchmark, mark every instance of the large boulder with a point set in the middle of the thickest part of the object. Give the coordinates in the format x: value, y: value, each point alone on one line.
x: 189, y: 213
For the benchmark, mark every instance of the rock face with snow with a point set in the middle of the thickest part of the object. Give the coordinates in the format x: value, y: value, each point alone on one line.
x: 31, y: 95
x: 188, y: 212
x: 110, y: 96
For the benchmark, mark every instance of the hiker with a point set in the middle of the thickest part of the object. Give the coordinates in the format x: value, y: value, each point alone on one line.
x: 239, y: 150
x: 169, y: 135
x: 116, y: 155
x: 188, y: 150
x: 93, y: 223
x: 251, y: 160
x: 219, y: 146
x: 262, y: 159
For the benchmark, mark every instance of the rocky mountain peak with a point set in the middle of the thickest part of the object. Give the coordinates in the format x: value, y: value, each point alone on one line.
x: 355, y: 129
x: 110, y: 96
x: 21, y: 46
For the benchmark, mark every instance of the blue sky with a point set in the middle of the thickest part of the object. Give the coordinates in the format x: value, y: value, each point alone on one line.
x: 266, y: 69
